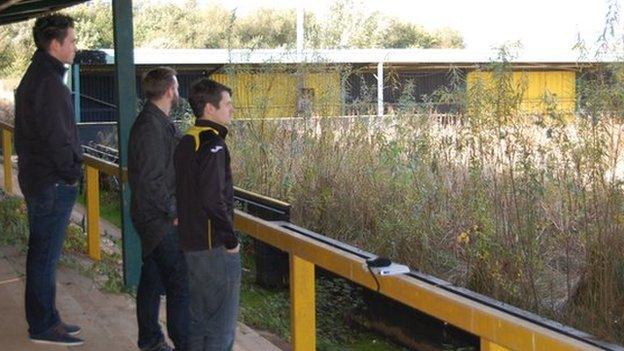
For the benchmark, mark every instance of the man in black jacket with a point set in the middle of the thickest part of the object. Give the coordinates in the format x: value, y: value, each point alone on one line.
x: 152, y: 142
x: 49, y: 165
x: 206, y: 208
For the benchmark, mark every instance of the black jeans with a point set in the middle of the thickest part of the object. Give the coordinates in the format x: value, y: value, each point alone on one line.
x: 165, y: 267
x: 48, y: 215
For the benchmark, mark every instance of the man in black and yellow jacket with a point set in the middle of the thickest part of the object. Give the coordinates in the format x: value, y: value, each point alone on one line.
x: 205, y: 205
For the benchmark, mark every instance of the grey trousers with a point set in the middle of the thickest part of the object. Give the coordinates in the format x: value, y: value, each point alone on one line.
x: 214, y: 286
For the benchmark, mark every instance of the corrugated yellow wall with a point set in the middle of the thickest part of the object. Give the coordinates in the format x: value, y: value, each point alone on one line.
x: 327, y: 92
x: 560, y: 85
x: 274, y: 94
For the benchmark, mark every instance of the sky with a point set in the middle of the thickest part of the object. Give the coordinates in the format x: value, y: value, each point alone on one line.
x: 540, y: 25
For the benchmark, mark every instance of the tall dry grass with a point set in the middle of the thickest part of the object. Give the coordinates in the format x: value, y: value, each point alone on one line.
x: 525, y: 209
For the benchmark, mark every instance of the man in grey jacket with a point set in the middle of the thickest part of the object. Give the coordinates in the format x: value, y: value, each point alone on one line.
x: 152, y: 142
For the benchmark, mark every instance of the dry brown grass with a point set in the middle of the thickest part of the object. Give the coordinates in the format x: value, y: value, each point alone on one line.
x: 531, y: 220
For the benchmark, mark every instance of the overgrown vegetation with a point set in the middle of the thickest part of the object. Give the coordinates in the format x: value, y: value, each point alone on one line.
x: 337, y: 307
x: 524, y: 208
x: 6, y: 110
x: 110, y: 206
x: 14, y: 221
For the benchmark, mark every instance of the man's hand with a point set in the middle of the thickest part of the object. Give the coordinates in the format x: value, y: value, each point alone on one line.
x: 234, y: 250
x: 175, y: 222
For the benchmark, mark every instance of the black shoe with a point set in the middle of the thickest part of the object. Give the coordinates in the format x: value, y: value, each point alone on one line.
x: 71, y: 329
x: 162, y: 346
x: 56, y: 336
x: 165, y: 347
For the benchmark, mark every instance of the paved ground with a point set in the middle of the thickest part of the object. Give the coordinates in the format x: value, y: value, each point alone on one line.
x: 108, y: 320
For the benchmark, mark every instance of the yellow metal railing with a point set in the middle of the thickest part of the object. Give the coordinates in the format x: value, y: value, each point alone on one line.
x: 93, y: 167
x: 7, y: 151
x: 497, y: 330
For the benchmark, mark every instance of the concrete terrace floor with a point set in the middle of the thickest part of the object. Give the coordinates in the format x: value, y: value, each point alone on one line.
x: 108, y: 320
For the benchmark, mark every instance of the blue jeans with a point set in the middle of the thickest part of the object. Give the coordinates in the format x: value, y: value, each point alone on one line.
x: 163, y: 270
x: 48, y: 216
x: 214, y: 280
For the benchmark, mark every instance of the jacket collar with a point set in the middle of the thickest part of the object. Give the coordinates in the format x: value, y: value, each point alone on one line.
x: 222, y: 130
x: 43, y: 58
x: 154, y: 110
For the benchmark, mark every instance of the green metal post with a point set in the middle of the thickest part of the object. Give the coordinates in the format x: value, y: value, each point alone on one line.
x: 76, y: 89
x: 126, y: 109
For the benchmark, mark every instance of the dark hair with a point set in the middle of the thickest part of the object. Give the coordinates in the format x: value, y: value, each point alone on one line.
x: 156, y: 82
x: 206, y: 91
x: 50, y: 27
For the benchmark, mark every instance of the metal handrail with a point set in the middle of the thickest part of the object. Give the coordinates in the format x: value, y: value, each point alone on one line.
x: 101, y: 102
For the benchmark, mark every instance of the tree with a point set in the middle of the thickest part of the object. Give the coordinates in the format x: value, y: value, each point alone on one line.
x: 94, y: 24
x: 407, y: 35
x: 348, y: 26
x: 267, y: 28
x: 168, y: 26
x: 449, y: 38
x: 187, y: 25
x: 16, y: 39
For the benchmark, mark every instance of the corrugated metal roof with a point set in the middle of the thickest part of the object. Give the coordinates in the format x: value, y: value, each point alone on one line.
x: 365, y: 56
x: 12, y: 11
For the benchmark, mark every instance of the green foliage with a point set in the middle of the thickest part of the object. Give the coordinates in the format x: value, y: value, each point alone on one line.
x: 14, y: 221
x: 267, y: 29
x: 17, y: 48
x: 264, y: 309
x: 338, y: 304
x: 75, y: 240
x: 447, y: 37
x: 167, y: 25
x: 188, y: 25
x: 409, y: 35
x: 94, y: 24
x: 110, y: 267
x: 110, y: 206
x: 350, y: 26
x: 6, y: 111
x: 495, y: 97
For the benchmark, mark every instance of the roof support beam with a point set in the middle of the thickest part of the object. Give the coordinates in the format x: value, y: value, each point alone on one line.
x: 8, y: 4
x: 380, y: 93
x: 126, y: 113
x: 75, y: 86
